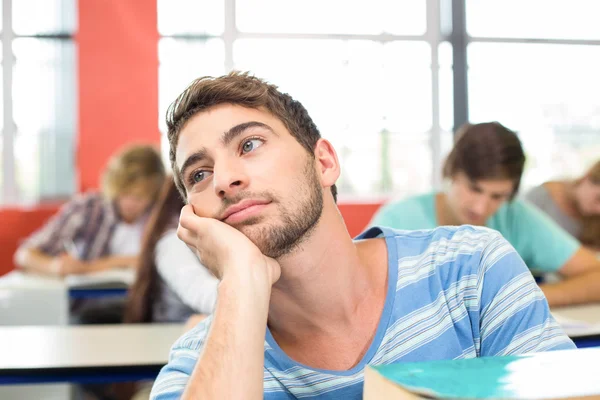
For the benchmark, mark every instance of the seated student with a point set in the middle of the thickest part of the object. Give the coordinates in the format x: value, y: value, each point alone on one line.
x: 574, y: 205
x: 171, y: 284
x: 303, y: 308
x: 99, y: 231
x: 484, y: 170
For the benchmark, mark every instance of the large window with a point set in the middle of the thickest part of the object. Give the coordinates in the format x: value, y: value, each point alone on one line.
x: 537, y: 73
x: 387, y: 81
x: 38, y: 106
x: 371, y: 76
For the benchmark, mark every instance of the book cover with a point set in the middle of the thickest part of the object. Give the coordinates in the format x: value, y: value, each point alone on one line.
x: 567, y: 374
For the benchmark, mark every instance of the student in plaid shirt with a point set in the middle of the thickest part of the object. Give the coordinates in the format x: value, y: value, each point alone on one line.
x: 99, y: 231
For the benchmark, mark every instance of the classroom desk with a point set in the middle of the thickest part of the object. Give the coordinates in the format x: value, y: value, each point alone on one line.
x: 100, y: 284
x: 581, y: 323
x: 84, y: 354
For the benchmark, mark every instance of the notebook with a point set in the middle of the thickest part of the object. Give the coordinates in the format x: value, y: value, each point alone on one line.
x: 567, y: 374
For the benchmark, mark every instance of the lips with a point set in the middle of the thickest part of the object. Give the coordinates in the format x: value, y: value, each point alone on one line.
x: 242, y: 207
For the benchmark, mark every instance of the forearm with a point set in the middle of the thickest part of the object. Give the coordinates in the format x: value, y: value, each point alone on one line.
x: 232, y: 360
x: 579, y: 289
x: 34, y: 260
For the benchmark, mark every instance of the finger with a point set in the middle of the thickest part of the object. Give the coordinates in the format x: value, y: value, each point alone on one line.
x: 186, y: 236
x: 187, y: 218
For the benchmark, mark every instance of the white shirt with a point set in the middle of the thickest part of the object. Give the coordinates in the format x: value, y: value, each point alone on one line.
x: 181, y: 270
x: 126, y: 239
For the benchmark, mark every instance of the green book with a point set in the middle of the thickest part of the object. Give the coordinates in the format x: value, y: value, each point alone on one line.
x: 567, y: 374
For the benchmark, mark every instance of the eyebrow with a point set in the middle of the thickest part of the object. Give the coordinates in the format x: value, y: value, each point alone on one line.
x: 237, y: 130
x: 191, y: 160
x: 226, y: 139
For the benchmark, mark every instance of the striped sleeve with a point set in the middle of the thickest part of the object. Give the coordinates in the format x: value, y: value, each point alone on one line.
x: 514, y: 317
x: 173, y: 377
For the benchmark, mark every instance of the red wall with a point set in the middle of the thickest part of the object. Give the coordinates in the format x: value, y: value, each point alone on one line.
x: 117, y: 45
x: 16, y: 224
x: 118, y: 80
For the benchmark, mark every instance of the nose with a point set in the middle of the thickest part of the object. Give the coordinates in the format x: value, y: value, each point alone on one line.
x: 229, y: 178
x: 480, y: 205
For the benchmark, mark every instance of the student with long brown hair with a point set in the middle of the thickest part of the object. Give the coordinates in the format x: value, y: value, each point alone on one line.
x: 484, y: 173
x: 573, y: 204
x: 171, y: 284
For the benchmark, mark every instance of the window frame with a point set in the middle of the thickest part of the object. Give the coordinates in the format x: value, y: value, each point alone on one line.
x: 9, y: 195
x: 433, y: 36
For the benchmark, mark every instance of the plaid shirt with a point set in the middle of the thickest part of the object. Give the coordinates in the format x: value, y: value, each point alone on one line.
x: 88, y: 219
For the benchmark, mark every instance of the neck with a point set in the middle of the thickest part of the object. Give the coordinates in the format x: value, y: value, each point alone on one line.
x: 324, y: 282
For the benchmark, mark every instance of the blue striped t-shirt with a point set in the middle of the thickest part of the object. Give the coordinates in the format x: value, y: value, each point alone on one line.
x: 453, y: 292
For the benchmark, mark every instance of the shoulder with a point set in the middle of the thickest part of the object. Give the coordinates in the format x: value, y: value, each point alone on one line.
x: 83, y: 203
x: 170, y: 243
x: 91, y: 197
x: 451, y: 235
x: 171, y: 249
x: 168, y: 238
x: 446, y: 244
x: 89, y: 202
x: 523, y: 211
x: 537, y: 195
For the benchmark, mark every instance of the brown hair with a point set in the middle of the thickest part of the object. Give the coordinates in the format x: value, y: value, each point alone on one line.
x: 244, y: 90
x: 486, y: 151
x: 131, y: 165
x: 142, y: 293
x: 590, y: 233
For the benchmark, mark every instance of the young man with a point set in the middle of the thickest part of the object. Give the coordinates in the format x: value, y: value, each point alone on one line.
x: 483, y: 173
x: 302, y: 308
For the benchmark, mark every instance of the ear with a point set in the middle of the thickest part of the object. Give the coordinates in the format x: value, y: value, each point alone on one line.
x: 327, y: 163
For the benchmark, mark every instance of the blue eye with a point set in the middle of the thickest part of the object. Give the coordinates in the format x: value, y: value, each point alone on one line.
x: 250, y: 145
x: 199, y: 176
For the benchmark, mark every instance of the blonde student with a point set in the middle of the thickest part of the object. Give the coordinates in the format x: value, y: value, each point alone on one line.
x: 97, y: 231
x: 573, y: 204
x: 483, y: 173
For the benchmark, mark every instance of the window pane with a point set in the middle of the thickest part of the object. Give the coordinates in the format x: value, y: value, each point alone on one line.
x: 3, y: 168
x: 549, y: 96
x: 445, y: 61
x: 372, y: 100
x: 542, y: 19
x: 407, y: 17
x: 1, y: 88
x: 50, y: 17
x: 44, y: 107
x: 182, y: 61
x: 191, y: 17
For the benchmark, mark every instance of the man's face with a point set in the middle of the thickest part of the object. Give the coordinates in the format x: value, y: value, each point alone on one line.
x: 135, y: 201
x: 474, y: 202
x: 243, y: 167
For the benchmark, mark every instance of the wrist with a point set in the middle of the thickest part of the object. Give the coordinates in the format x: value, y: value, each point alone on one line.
x: 245, y: 287
x: 55, y: 266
